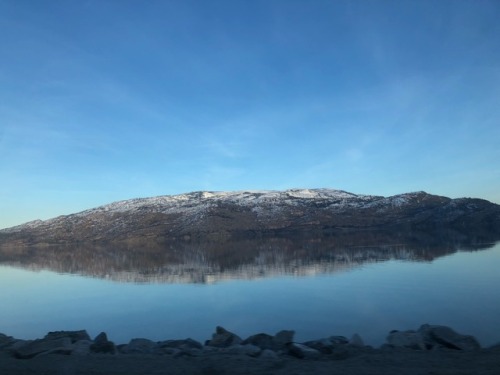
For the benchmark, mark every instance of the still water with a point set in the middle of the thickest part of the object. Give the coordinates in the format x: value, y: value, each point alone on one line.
x: 316, y: 288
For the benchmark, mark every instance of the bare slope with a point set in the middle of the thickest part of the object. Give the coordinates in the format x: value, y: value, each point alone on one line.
x: 222, y: 215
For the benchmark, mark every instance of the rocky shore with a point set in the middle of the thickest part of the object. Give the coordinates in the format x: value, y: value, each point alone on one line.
x: 429, y: 349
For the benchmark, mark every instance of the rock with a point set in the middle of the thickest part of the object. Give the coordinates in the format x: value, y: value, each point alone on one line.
x: 495, y: 347
x: 276, y: 342
x: 435, y: 336
x: 324, y: 346
x: 262, y: 340
x: 338, y: 340
x: 282, y: 338
x: 61, y: 351
x: 247, y: 349
x: 102, y: 345
x: 73, y: 335
x: 81, y: 348
x: 17, y: 344
x: 181, y: 347
x: 406, y: 339
x: 181, y: 344
x: 356, y: 341
x: 171, y: 351
x: 141, y: 346
x: 223, y: 338
x: 33, y: 348
x: 302, y: 351
x: 339, y: 353
x: 186, y: 353
x: 268, y: 354
x: 6, y: 341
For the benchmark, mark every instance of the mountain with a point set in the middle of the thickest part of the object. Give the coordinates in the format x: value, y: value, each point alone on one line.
x: 215, y: 216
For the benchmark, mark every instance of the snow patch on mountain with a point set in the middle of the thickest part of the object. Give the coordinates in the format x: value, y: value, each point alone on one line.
x: 266, y: 204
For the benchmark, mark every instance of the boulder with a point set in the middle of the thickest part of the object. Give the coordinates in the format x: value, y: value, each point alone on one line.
x: 495, y: 347
x: 435, y: 336
x: 335, y: 346
x: 262, y: 340
x: 406, y: 339
x: 180, y: 347
x: 284, y: 337
x: 338, y: 340
x: 33, y: 348
x: 81, y: 348
x: 356, y: 341
x: 339, y: 353
x: 140, y: 346
x: 74, y: 336
x: 6, y: 341
x: 265, y: 341
x: 17, y: 344
x: 103, y: 345
x: 222, y: 338
x: 268, y: 354
x: 302, y: 351
x: 247, y: 349
x: 324, y: 346
x: 181, y: 344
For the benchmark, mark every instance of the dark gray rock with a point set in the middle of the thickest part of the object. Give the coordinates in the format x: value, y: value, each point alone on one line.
x: 340, y: 353
x: 268, y: 354
x: 60, y: 351
x: 171, y: 351
x: 17, y: 344
x: 103, y: 345
x: 495, y: 347
x: 265, y: 341
x: 262, y: 340
x: 140, y: 346
x: 284, y: 337
x: 324, y: 346
x: 178, y: 348
x: 185, y: 353
x: 6, y: 341
x: 73, y: 335
x: 222, y: 338
x: 435, y: 336
x: 81, y: 348
x: 356, y: 341
x: 338, y: 340
x: 406, y: 339
x: 247, y: 349
x: 181, y: 344
x: 302, y: 351
x: 333, y: 345
x: 33, y: 348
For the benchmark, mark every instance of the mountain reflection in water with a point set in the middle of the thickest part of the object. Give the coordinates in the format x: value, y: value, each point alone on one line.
x: 142, y: 260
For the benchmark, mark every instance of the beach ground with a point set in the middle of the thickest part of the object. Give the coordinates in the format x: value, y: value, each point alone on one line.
x: 375, y: 361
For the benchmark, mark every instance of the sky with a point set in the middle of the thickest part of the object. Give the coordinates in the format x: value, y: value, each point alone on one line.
x: 108, y: 100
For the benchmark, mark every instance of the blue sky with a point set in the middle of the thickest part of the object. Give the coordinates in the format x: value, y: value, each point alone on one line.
x: 108, y: 100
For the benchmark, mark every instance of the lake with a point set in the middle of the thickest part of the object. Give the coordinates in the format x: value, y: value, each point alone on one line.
x: 317, y: 287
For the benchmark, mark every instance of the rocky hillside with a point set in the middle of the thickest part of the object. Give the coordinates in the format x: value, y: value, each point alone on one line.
x: 249, y: 214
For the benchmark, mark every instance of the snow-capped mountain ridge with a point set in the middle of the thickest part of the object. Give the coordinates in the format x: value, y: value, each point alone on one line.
x: 255, y: 213
x: 243, y: 197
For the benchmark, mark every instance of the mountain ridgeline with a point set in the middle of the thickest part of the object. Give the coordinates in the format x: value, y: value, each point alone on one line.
x: 216, y: 216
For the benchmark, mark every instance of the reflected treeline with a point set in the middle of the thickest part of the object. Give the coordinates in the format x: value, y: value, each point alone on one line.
x: 156, y: 260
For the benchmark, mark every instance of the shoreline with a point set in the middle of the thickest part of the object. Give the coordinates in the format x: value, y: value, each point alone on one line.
x: 430, y: 349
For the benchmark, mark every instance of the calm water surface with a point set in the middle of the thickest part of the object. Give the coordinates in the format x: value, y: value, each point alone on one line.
x: 339, y: 294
